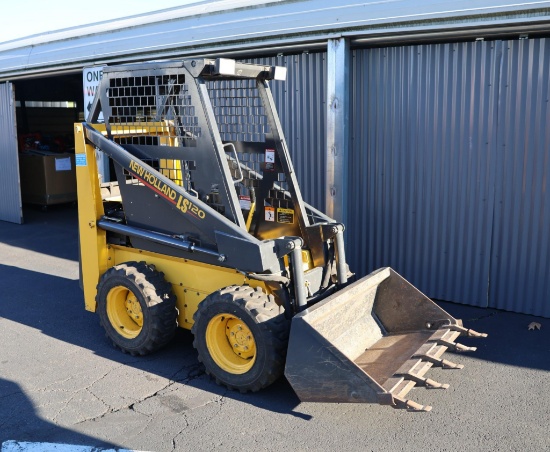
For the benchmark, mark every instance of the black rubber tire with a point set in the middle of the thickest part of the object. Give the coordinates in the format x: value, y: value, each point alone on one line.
x: 156, y: 300
x: 264, y: 318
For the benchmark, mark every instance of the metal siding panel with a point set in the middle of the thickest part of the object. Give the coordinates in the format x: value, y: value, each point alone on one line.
x: 301, y: 104
x: 10, y: 202
x: 520, y: 271
x: 421, y: 179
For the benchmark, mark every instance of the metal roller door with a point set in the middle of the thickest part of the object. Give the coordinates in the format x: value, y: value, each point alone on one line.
x: 449, y: 168
x: 10, y: 200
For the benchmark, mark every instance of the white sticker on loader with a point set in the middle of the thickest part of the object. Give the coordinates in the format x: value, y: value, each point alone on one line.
x: 269, y: 160
x: 269, y: 213
x: 244, y: 202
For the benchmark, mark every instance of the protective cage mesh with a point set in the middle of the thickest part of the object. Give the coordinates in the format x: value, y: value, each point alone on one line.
x: 238, y: 110
x: 162, y: 107
x: 241, y: 116
x: 153, y: 110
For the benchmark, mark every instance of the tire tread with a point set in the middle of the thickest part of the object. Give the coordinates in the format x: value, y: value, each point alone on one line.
x: 160, y: 300
x: 270, y: 319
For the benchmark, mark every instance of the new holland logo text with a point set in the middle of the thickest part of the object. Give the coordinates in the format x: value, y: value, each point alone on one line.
x: 165, y: 191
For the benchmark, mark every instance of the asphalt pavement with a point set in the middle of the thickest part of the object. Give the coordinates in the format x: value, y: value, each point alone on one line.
x: 62, y: 382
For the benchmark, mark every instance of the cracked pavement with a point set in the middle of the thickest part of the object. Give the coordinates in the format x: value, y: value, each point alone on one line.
x: 62, y: 381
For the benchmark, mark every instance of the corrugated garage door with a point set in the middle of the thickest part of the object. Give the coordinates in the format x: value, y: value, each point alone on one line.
x: 10, y: 201
x: 449, y: 169
x: 520, y: 261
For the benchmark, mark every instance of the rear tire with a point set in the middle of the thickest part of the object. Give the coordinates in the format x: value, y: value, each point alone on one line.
x: 241, y: 336
x: 136, y: 307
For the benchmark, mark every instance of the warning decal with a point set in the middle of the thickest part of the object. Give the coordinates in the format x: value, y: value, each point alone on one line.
x: 269, y: 160
x: 245, y: 202
x: 285, y: 215
x: 269, y: 213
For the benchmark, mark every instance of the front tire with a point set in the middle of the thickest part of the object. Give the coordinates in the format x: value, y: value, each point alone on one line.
x: 136, y: 307
x: 241, y: 336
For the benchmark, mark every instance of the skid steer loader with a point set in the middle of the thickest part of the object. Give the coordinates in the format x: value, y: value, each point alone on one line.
x: 204, y: 228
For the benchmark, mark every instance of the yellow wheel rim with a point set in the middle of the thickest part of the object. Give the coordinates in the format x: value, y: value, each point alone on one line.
x: 231, y: 343
x: 124, y: 312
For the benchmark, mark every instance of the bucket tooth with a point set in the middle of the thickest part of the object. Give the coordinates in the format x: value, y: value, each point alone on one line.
x: 400, y: 387
x: 415, y: 369
x: 466, y: 331
x: 456, y: 346
x: 444, y: 363
x: 427, y: 382
x: 432, y: 352
x: 411, y: 405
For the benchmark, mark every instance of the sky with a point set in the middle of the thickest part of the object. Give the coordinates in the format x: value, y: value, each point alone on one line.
x: 23, y: 18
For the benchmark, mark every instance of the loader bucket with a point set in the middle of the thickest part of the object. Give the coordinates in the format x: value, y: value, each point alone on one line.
x: 371, y: 342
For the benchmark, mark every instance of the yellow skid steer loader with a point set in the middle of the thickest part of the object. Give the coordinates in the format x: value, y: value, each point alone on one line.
x: 203, y: 227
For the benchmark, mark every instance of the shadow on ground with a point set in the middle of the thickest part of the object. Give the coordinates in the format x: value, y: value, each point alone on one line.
x: 54, y: 306
x: 23, y: 418
x: 510, y: 341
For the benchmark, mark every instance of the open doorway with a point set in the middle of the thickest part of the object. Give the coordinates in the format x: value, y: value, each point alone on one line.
x: 46, y: 109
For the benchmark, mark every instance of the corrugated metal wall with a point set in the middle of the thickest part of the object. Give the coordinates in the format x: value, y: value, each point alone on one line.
x: 301, y: 103
x: 520, y: 264
x: 10, y: 202
x: 448, y: 170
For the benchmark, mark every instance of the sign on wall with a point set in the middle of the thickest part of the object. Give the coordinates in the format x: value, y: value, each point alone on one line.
x: 91, y: 77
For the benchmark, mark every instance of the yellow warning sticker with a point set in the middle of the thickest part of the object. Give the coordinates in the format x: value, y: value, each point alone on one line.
x: 285, y: 215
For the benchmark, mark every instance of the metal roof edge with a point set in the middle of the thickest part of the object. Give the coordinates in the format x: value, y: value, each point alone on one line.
x: 164, y: 15
x: 317, y: 43
x: 482, y: 29
x: 288, y: 28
